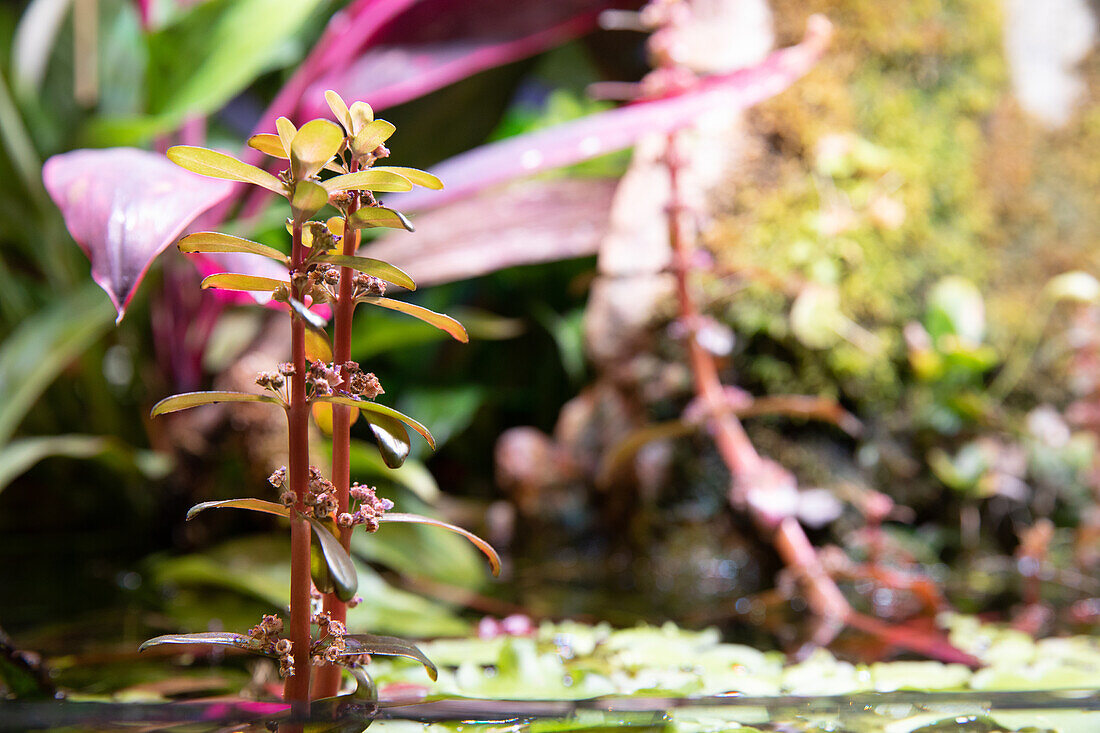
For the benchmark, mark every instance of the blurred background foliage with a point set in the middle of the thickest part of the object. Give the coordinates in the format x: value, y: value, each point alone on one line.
x: 890, y: 240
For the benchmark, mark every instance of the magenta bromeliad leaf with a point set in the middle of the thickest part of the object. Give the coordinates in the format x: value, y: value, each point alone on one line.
x: 617, y: 129
x: 123, y: 206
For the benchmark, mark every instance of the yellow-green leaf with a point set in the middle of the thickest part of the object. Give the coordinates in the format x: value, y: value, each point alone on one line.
x: 211, y: 163
x: 313, y: 146
x: 361, y: 116
x: 286, y: 131
x: 368, y: 180
x: 376, y: 268
x: 187, y: 400
x: 439, y: 320
x: 377, y: 409
x: 379, y: 216
x: 371, y: 136
x: 256, y: 505
x: 218, y: 242
x: 236, y: 281
x: 308, y: 199
x: 339, y: 109
x: 268, y: 144
x: 417, y: 176
x: 485, y: 547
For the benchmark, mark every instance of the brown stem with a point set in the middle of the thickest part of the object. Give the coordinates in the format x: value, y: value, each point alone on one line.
x: 328, y: 677
x: 296, y: 690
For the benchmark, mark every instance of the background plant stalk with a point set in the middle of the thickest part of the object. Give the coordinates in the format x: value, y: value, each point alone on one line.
x: 327, y: 683
x: 296, y: 689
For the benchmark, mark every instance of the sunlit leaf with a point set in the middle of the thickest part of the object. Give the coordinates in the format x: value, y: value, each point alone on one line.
x: 379, y: 216
x: 418, y: 177
x: 376, y: 268
x: 208, y: 638
x: 268, y: 144
x: 371, y: 136
x: 187, y: 400
x: 313, y: 320
x: 485, y: 547
x: 286, y: 132
x: 236, y: 281
x: 368, y: 180
x: 392, y: 438
x: 341, y: 569
x: 98, y: 189
x: 339, y: 109
x: 387, y: 646
x: 218, y: 242
x: 377, y: 409
x: 308, y: 198
x: 314, y: 145
x: 256, y: 505
x: 211, y: 163
x: 318, y: 346
x: 439, y: 320
x: 361, y: 116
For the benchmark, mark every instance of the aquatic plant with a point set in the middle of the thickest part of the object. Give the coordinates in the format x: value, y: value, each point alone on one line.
x: 322, y: 273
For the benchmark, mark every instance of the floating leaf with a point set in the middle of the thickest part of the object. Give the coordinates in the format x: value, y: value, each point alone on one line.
x: 256, y: 505
x: 392, y: 438
x: 376, y: 268
x: 218, y: 242
x: 368, y: 180
x: 415, y: 175
x: 371, y: 136
x: 339, y: 109
x: 268, y: 144
x: 245, y: 283
x: 387, y: 646
x: 308, y: 198
x: 211, y: 163
x: 314, y: 145
x: 155, y: 201
x: 485, y: 547
x: 379, y: 216
x: 439, y: 320
x: 377, y: 409
x: 340, y: 567
x: 187, y: 400
x: 210, y: 638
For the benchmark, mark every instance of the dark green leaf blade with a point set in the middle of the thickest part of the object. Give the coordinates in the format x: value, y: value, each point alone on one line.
x: 376, y: 268
x: 439, y: 320
x: 376, y: 409
x: 387, y: 646
x: 392, y: 438
x: 188, y: 400
x: 256, y: 505
x: 485, y: 547
x: 341, y: 569
x: 218, y: 242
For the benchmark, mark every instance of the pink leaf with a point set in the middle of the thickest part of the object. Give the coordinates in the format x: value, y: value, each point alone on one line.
x: 123, y: 207
x: 605, y: 132
x: 534, y: 221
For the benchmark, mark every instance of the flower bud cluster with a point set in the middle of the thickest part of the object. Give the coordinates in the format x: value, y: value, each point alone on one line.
x: 266, y: 636
x: 369, y: 508
x: 322, y: 377
x: 270, y: 380
x: 347, y: 378
x: 330, y: 640
x: 367, y: 285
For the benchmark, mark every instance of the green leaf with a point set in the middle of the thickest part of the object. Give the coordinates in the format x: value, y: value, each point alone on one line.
x: 211, y: 163
x: 286, y: 132
x: 392, y: 438
x: 415, y: 175
x: 387, y: 646
x: 376, y: 268
x: 210, y: 638
x: 236, y: 281
x: 43, y: 345
x: 218, y: 242
x: 339, y: 109
x: 315, y: 144
x: 374, y: 408
x: 187, y: 400
x: 368, y: 180
x: 485, y: 547
x: 379, y: 216
x: 216, y: 49
x: 21, y: 454
x: 256, y: 505
x: 308, y: 198
x: 268, y: 144
x: 439, y: 320
x: 361, y: 116
x: 371, y: 136
x: 340, y: 567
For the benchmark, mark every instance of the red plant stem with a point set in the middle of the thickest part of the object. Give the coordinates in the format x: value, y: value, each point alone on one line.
x: 729, y: 436
x: 296, y: 690
x: 328, y: 677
